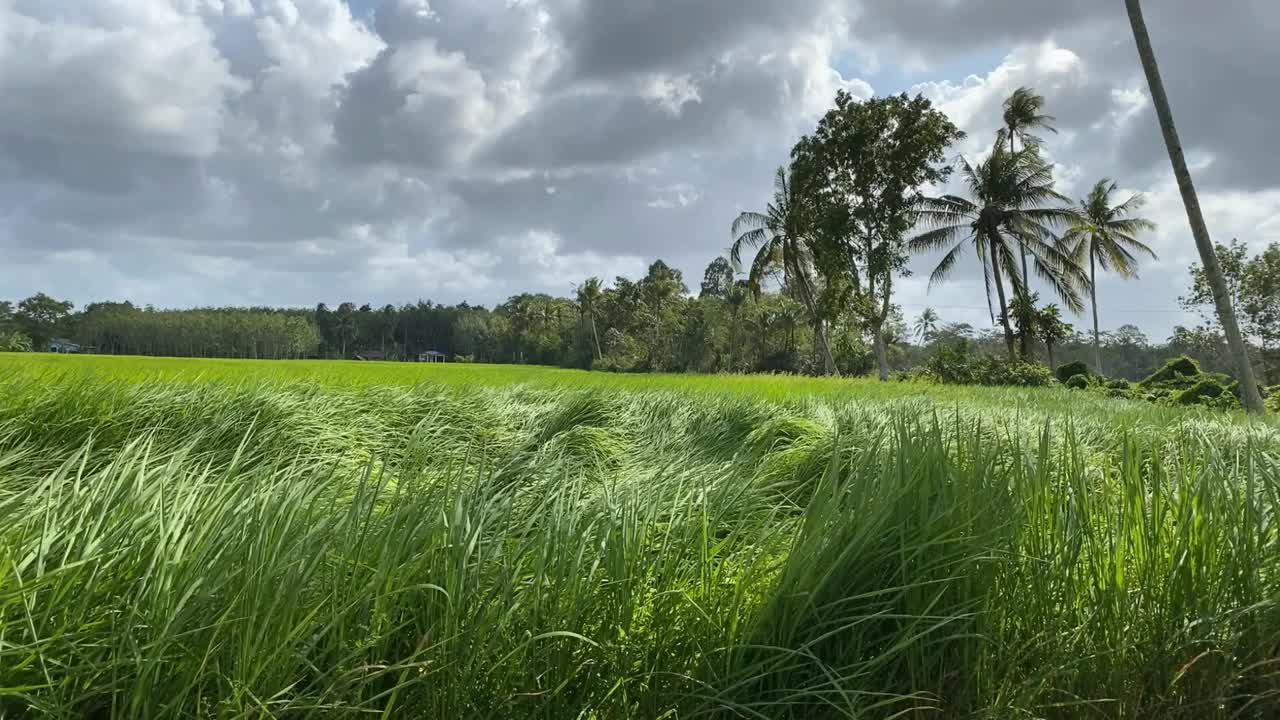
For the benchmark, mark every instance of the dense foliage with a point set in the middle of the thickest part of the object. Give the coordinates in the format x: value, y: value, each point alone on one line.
x: 213, y: 542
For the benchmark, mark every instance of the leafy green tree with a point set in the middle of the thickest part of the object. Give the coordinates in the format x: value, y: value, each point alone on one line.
x: 1052, y: 330
x: 783, y: 237
x: 865, y: 165
x: 347, y: 327
x: 1251, y: 396
x: 1106, y: 234
x: 41, y: 316
x: 1026, y: 319
x: 1260, y: 295
x: 1012, y: 206
x: 718, y: 278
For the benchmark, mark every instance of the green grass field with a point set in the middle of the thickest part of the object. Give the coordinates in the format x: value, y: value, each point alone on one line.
x: 238, y: 539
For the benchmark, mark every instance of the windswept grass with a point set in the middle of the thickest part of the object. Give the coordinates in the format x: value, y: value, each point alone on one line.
x: 193, y: 539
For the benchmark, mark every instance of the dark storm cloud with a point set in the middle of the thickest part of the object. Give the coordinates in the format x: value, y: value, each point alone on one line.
x: 202, y: 151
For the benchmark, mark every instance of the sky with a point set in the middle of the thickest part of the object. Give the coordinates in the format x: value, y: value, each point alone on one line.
x: 244, y: 152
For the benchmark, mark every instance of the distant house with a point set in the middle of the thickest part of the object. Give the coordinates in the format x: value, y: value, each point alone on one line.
x: 63, y: 345
x: 372, y: 355
x: 431, y: 356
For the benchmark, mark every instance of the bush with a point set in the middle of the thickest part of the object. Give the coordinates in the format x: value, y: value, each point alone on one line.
x: 1077, y: 382
x: 990, y: 371
x: 1209, y: 392
x: 1070, y: 370
x: 1180, y: 372
x: 1273, y: 399
x: 14, y: 342
x: 1117, y: 384
x: 912, y: 375
x: 952, y: 364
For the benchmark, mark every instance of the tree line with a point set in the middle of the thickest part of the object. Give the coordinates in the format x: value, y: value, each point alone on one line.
x: 654, y: 323
x: 809, y: 282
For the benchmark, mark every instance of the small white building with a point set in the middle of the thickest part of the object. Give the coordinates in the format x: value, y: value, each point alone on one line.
x: 431, y: 356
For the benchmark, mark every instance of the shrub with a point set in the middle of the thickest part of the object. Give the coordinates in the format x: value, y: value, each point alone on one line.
x: 990, y: 371
x: 1180, y: 372
x: 952, y: 364
x: 912, y: 375
x: 14, y: 342
x: 1209, y: 391
x: 1273, y: 399
x: 1117, y: 384
x: 1077, y: 382
x: 1070, y: 370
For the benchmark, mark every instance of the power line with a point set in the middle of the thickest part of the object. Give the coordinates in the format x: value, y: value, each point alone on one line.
x: 1110, y: 309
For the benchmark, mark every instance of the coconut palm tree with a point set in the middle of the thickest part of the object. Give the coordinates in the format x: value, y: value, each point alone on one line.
x: 1024, y: 112
x: 1052, y: 329
x: 590, y: 294
x: 1199, y: 230
x: 1013, y: 203
x: 781, y: 239
x: 1105, y: 235
x: 926, y: 325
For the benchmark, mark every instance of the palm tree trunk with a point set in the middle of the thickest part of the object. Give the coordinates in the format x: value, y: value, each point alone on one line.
x: 1022, y: 248
x: 1004, y: 304
x: 1212, y: 269
x: 819, y: 326
x: 733, y: 339
x: 1048, y: 347
x: 1093, y: 297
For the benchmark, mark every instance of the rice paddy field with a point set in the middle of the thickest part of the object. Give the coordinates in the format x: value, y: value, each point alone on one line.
x: 239, y: 539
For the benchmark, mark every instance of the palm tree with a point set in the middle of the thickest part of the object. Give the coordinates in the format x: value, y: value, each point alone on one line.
x: 589, y: 296
x: 1052, y: 329
x: 780, y: 237
x: 1023, y: 112
x: 1213, y: 271
x: 1106, y: 234
x: 1012, y: 193
x: 926, y: 325
x: 1026, y: 318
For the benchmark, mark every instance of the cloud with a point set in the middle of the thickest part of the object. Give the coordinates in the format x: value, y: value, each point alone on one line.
x: 184, y: 152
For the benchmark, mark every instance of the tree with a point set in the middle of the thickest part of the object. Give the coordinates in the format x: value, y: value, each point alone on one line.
x: 590, y: 293
x: 1253, y: 286
x: 1107, y: 234
x: 662, y: 288
x: 1023, y: 112
x: 782, y: 236
x: 1251, y: 396
x: 865, y: 166
x: 1260, y: 293
x: 718, y: 279
x: 345, y: 325
x: 1026, y: 320
x: 39, y: 317
x: 1012, y: 197
x: 926, y: 325
x: 1052, y: 330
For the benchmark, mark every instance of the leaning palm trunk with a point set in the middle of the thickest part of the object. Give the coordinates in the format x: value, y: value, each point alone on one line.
x: 1093, y: 296
x: 819, y: 325
x: 1004, y: 303
x: 1212, y: 269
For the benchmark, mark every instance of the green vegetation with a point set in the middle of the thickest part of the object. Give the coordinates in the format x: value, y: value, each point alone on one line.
x: 305, y: 539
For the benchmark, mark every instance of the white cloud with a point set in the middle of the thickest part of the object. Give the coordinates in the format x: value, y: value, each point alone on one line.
x: 252, y: 151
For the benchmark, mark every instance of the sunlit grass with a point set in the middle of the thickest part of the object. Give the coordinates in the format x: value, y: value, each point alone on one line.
x: 254, y: 539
